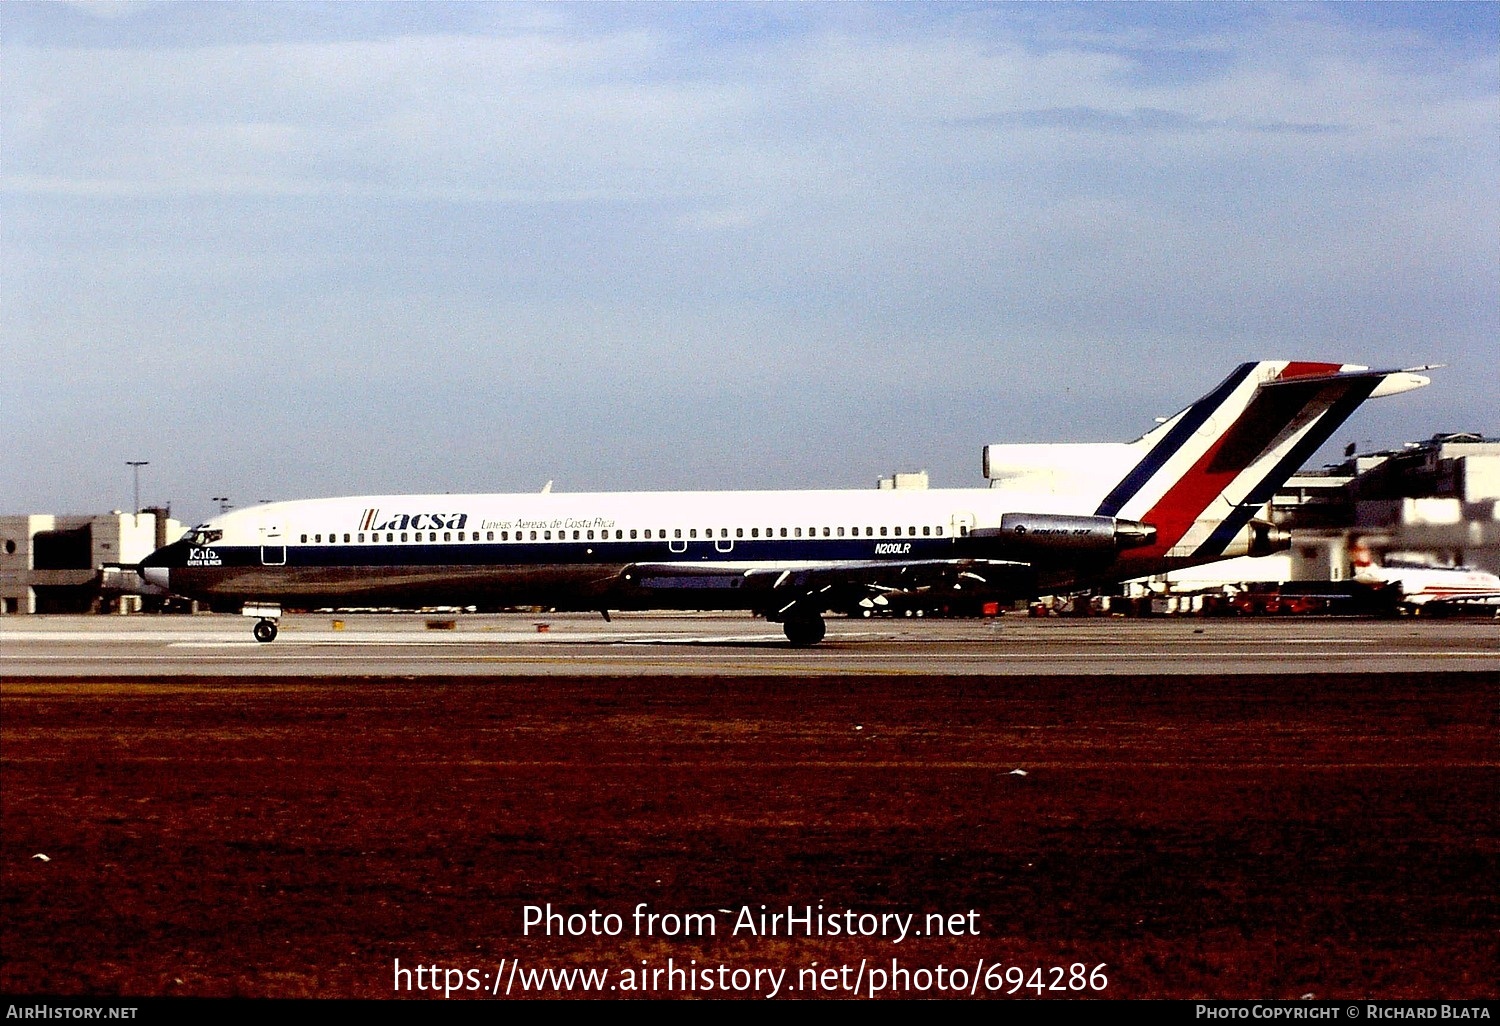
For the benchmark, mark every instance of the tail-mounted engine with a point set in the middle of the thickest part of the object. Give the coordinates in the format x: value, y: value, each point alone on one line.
x: 1035, y: 533
x: 1266, y: 538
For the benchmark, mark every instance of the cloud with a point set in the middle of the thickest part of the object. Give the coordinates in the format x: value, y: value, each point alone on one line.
x: 387, y: 212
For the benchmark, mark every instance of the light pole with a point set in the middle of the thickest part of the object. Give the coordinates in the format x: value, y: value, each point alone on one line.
x: 136, y: 465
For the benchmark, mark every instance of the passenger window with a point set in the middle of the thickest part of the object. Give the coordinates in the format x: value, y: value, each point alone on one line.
x: 841, y: 532
x: 360, y: 538
x: 755, y: 532
x: 693, y: 532
x: 723, y: 532
x: 825, y: 532
x: 677, y: 533
x: 619, y: 534
x: 783, y: 532
x: 317, y: 537
x: 403, y: 536
x: 882, y: 532
x: 575, y: 535
x: 304, y: 539
x: 490, y: 535
x: 648, y: 532
x: 940, y: 530
x: 797, y: 532
x: 432, y: 536
x: 591, y: 536
x: 533, y: 536
x: 739, y: 532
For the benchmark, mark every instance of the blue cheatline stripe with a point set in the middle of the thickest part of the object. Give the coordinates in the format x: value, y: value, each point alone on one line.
x: 1338, y: 412
x: 1195, y: 417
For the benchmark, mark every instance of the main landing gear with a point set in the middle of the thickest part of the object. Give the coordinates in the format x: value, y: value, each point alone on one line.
x: 265, y: 630
x: 805, y: 630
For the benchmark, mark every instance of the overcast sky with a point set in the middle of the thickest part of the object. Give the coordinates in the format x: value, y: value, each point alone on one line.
x: 294, y: 250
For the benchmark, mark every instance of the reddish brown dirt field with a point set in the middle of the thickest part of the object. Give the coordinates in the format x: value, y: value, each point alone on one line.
x: 1249, y: 836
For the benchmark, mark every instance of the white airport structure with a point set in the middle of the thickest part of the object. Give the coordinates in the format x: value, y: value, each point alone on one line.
x: 1433, y: 503
x: 72, y: 564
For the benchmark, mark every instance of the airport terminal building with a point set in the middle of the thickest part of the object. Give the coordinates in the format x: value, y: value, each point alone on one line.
x: 1434, y: 502
x: 72, y: 564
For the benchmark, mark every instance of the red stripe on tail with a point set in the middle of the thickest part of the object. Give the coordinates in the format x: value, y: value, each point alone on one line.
x: 1301, y: 369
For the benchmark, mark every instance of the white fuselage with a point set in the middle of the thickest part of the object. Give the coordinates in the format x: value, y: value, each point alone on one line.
x: 1420, y: 585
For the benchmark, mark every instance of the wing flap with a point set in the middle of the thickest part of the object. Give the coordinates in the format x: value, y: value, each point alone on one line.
x: 828, y: 584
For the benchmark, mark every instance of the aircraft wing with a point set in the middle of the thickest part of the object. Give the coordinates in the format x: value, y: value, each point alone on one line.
x: 826, y: 584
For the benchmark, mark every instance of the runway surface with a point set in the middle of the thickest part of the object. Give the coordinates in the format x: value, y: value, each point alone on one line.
x: 1251, y: 812
x: 654, y: 644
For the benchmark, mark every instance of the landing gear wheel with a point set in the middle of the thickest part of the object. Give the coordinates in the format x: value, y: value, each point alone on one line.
x: 265, y: 631
x: 805, y: 631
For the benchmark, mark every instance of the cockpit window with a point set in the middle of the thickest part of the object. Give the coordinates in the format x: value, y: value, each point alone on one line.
x: 201, y: 535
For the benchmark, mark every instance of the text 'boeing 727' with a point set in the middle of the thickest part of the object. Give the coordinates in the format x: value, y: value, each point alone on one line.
x: 1056, y: 517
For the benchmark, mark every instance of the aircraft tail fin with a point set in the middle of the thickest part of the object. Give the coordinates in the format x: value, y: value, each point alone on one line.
x: 1359, y: 555
x: 1203, y: 474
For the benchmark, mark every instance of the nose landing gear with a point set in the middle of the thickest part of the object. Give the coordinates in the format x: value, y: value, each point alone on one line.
x: 266, y: 615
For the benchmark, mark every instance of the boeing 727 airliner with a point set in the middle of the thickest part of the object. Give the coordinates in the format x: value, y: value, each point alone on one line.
x: 1055, y: 517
